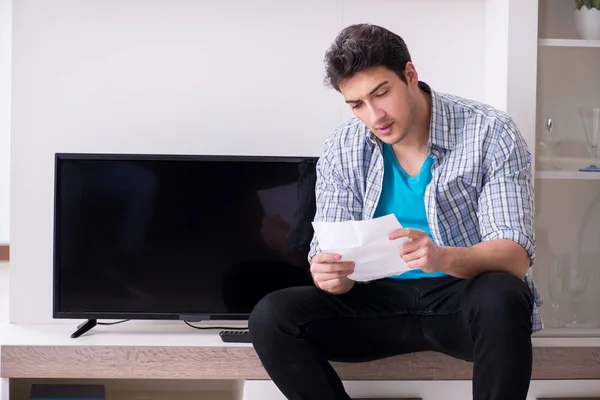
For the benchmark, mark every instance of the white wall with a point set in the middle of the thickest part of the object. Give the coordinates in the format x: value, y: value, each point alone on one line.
x: 522, y: 66
x: 175, y: 76
x: 511, y: 61
x: 5, y: 59
x: 496, y: 52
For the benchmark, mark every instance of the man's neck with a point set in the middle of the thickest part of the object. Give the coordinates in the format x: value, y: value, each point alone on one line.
x: 418, y: 139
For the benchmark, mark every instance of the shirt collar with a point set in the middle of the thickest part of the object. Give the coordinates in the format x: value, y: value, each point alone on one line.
x: 439, y: 126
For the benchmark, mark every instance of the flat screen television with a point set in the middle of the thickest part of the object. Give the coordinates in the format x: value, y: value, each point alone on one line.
x: 178, y: 237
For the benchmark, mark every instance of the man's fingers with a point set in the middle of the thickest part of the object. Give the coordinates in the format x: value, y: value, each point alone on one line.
x: 409, y: 247
x: 326, y: 257
x: 418, y: 263
x: 341, y: 266
x: 330, y: 285
x: 329, y: 276
x: 406, y: 232
x: 414, y: 255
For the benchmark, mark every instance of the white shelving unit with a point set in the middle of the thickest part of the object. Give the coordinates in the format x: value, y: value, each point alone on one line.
x: 567, y: 200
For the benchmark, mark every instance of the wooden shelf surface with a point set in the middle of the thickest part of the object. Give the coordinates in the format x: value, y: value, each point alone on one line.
x: 192, y: 362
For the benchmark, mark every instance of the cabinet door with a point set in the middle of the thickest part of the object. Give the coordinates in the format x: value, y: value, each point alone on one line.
x: 567, y: 188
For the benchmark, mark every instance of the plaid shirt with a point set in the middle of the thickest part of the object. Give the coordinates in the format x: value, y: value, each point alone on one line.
x: 481, y: 187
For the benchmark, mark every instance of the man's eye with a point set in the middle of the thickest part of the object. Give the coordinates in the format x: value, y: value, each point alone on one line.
x: 382, y: 94
x: 356, y: 105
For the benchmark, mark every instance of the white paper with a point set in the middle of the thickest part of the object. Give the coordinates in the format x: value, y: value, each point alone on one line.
x: 280, y: 200
x: 366, y: 243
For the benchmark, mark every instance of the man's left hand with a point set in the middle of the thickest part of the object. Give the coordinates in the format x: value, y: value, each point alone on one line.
x: 420, y: 251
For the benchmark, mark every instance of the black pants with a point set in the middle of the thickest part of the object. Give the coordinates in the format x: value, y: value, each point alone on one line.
x: 486, y: 320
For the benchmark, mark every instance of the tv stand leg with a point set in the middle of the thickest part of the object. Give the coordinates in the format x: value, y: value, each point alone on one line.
x: 84, y: 327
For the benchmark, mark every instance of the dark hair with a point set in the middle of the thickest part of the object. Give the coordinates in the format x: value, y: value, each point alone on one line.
x: 362, y: 46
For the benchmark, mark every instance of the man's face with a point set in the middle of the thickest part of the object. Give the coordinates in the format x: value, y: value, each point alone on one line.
x: 383, y: 102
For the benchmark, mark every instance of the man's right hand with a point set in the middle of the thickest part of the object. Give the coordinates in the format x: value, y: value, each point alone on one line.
x: 330, y: 274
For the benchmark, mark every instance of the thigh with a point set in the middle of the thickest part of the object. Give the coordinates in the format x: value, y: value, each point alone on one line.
x: 371, y: 321
x: 365, y: 337
x: 458, y: 311
x: 444, y: 320
x: 449, y: 333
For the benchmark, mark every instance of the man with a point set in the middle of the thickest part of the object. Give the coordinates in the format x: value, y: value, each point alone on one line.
x: 457, y: 175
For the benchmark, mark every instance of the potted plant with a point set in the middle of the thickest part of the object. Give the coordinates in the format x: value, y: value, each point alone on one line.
x: 587, y: 19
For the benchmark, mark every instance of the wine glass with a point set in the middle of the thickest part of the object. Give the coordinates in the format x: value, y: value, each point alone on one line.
x: 557, y: 288
x: 590, y: 119
x: 549, y: 137
x: 576, y: 282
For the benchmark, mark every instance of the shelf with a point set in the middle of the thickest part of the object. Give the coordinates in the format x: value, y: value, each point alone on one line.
x: 142, y: 395
x: 160, y: 389
x: 568, y: 168
x: 568, y: 43
x: 567, y: 174
x: 570, y: 332
x: 171, y: 395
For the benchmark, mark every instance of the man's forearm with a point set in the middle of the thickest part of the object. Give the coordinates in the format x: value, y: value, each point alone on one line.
x: 498, y: 255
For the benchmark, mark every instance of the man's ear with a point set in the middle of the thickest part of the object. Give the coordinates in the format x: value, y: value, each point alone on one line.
x: 411, y: 74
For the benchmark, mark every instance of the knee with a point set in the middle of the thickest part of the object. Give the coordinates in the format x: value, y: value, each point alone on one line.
x: 500, y: 300
x: 275, y: 313
x: 267, y: 311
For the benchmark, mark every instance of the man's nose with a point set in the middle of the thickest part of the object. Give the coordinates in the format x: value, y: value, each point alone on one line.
x: 376, y: 115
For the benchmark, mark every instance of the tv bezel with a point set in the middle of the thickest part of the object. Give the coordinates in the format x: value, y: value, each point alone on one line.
x: 58, y: 314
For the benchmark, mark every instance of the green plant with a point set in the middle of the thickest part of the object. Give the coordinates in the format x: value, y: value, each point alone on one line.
x: 587, y: 3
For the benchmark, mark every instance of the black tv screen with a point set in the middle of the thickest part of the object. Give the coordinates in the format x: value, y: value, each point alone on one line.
x: 161, y: 237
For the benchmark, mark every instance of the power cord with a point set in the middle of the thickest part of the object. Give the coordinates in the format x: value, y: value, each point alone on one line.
x: 112, y: 323
x: 228, y: 328
x: 225, y: 328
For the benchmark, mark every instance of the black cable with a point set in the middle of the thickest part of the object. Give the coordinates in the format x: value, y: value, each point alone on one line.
x: 113, y: 323
x: 225, y: 328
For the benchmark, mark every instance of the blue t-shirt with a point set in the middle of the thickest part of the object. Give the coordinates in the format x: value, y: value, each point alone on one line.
x: 404, y: 196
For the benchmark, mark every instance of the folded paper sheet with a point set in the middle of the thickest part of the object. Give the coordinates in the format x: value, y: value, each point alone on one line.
x: 365, y: 243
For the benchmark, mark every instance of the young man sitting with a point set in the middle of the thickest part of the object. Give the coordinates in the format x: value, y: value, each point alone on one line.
x: 457, y: 175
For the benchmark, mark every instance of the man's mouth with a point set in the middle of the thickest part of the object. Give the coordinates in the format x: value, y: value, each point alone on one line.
x: 385, y: 129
